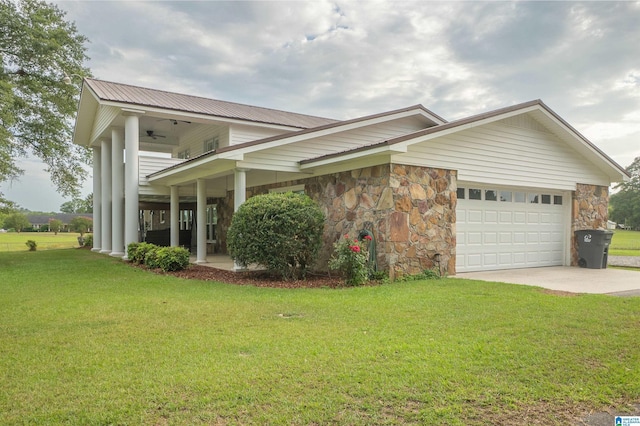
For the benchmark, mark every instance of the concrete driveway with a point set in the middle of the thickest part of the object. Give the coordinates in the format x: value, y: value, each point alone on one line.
x: 618, y: 282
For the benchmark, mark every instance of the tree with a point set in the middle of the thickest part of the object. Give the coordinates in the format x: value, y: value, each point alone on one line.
x: 55, y: 225
x: 78, y: 205
x: 38, y: 48
x: 17, y: 221
x: 625, y: 204
x: 80, y: 224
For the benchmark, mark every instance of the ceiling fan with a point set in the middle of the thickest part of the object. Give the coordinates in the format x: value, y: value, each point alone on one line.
x: 151, y: 134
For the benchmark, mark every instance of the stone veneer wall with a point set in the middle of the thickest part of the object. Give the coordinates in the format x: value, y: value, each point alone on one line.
x: 409, y: 209
x: 590, y: 210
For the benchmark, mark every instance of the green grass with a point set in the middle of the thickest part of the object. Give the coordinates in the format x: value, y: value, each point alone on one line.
x: 14, y: 241
x: 88, y: 339
x: 625, y: 243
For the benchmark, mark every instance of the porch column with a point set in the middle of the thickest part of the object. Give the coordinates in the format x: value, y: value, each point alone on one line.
x: 175, y: 217
x: 131, y: 176
x: 97, y: 200
x: 105, y: 166
x: 239, y: 197
x: 201, y: 221
x: 117, y: 193
x: 239, y: 188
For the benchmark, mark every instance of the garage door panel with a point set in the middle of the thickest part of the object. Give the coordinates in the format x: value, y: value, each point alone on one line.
x: 508, y: 233
x: 490, y: 217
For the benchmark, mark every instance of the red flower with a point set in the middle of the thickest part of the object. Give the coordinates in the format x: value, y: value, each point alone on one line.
x: 367, y: 237
x: 355, y: 249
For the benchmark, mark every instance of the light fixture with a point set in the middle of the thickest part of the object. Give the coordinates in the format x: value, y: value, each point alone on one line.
x: 67, y: 79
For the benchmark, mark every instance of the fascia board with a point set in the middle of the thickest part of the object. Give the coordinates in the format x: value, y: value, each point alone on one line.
x: 354, y: 154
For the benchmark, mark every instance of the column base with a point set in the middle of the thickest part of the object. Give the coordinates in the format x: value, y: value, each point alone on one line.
x: 96, y: 249
x: 105, y: 251
x: 116, y: 254
x: 200, y: 262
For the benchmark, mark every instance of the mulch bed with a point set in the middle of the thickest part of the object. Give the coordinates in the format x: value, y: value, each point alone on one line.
x: 255, y: 278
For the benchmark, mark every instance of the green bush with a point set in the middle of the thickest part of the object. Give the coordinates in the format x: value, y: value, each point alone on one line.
x: 88, y: 240
x: 172, y: 258
x: 280, y: 231
x: 32, y: 245
x: 137, y: 252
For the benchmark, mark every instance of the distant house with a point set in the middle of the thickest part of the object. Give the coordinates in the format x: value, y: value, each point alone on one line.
x: 37, y: 221
x: 503, y: 189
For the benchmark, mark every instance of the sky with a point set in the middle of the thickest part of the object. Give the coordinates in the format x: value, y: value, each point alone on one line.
x: 346, y: 59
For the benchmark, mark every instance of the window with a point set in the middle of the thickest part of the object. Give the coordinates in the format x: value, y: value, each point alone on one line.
x: 212, y: 221
x: 163, y: 216
x: 475, y: 194
x: 210, y: 144
x: 460, y: 193
x: 186, y: 217
x: 533, y: 198
x: 505, y: 196
x: 490, y: 195
x: 557, y: 200
x: 519, y: 197
x: 546, y: 199
x: 184, y: 155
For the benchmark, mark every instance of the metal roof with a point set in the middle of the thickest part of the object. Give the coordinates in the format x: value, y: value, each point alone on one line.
x: 141, y: 96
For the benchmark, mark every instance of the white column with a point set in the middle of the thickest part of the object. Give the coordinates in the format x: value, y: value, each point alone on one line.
x: 239, y: 188
x: 97, y: 200
x: 239, y: 197
x: 131, y: 206
x: 174, y: 217
x: 105, y: 160
x: 117, y: 193
x: 201, y: 221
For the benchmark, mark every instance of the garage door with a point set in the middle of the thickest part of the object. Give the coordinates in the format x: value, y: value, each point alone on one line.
x: 508, y: 228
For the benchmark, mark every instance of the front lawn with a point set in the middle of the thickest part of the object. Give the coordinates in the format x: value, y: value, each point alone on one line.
x: 625, y: 243
x: 16, y: 241
x: 88, y: 339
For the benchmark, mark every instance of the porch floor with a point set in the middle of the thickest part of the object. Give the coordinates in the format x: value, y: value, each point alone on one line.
x: 220, y: 261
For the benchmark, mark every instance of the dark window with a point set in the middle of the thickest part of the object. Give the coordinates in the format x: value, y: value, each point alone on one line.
x: 475, y: 194
x: 546, y: 199
x: 491, y: 195
x: 557, y: 200
x: 460, y: 193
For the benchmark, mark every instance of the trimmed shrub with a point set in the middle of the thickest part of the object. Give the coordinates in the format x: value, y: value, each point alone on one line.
x: 88, y: 240
x: 32, y: 245
x: 280, y: 231
x: 137, y: 252
x: 150, y: 256
x: 172, y: 258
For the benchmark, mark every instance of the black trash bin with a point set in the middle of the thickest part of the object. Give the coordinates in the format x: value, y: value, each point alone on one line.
x: 593, y: 248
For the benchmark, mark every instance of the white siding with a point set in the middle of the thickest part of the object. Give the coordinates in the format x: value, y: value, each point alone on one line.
x: 334, y: 143
x: 151, y: 164
x: 502, y: 152
x: 104, y: 118
x: 194, y: 140
x: 240, y: 134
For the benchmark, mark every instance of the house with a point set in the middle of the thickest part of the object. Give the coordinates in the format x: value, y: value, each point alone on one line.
x: 38, y: 221
x: 503, y: 189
